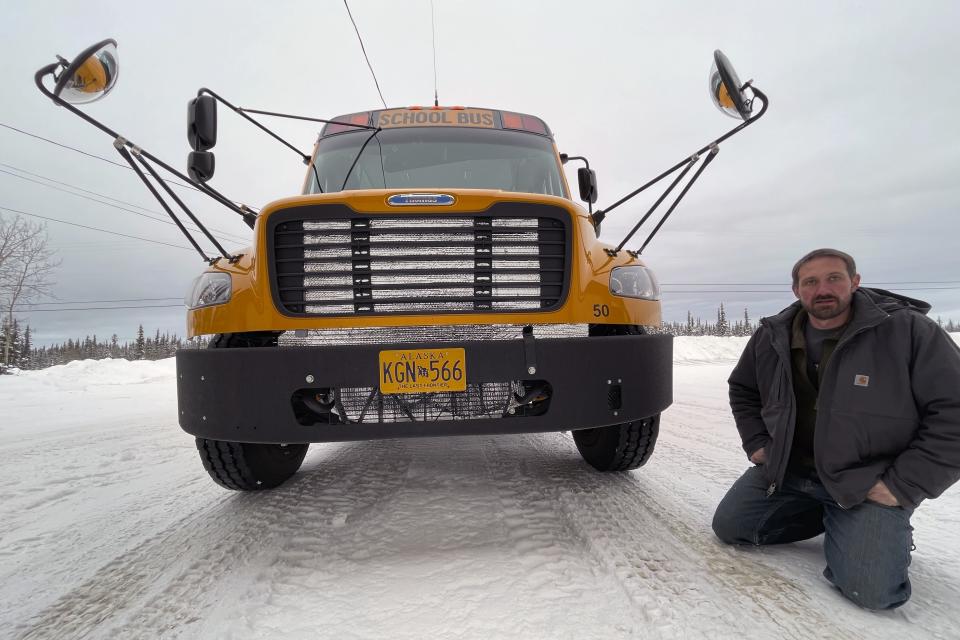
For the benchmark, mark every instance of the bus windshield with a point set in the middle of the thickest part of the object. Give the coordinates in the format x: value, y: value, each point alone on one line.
x: 437, y: 158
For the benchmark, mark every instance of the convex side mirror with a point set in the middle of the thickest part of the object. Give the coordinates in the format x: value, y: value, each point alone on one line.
x: 91, y: 75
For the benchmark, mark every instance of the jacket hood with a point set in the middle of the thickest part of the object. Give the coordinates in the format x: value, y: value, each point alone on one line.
x: 867, y: 301
x: 890, y: 302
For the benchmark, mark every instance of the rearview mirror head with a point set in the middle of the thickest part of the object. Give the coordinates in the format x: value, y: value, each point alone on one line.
x: 200, y: 165
x: 726, y: 90
x: 90, y: 76
x: 587, y: 179
x: 202, y: 122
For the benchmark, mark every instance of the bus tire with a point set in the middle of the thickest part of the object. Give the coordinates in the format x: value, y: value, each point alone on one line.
x: 619, y: 447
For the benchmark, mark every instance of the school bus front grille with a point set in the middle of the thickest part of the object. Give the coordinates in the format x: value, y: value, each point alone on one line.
x: 356, y: 264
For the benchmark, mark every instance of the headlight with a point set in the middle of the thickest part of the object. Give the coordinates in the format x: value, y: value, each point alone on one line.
x: 634, y: 282
x: 209, y: 289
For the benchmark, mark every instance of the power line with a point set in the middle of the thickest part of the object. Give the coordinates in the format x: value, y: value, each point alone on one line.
x: 90, y: 155
x: 155, y: 306
x: 786, y: 292
x: 59, y: 144
x: 72, y: 186
x: 101, y: 195
x: 83, y: 226
x: 109, y: 204
x: 107, y: 160
x: 433, y: 39
x: 364, y: 49
x: 787, y: 284
x: 100, y: 301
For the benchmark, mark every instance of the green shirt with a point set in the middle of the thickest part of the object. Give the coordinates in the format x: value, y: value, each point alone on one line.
x: 810, y: 349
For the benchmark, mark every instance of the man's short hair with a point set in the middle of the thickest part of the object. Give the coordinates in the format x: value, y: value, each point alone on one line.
x: 824, y: 253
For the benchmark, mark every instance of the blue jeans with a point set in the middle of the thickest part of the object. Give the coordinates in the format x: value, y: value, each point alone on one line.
x: 867, y: 547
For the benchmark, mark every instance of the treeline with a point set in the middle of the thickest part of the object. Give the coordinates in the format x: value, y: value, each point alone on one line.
x: 722, y: 327
x: 21, y: 353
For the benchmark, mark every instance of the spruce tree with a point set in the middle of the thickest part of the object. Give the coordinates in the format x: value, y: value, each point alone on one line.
x: 26, y: 358
x: 723, y: 329
x: 139, y: 347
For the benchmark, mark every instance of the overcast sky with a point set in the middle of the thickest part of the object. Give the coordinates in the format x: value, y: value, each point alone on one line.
x: 860, y: 149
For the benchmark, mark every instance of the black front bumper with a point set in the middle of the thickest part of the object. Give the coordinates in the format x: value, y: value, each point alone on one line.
x: 248, y: 394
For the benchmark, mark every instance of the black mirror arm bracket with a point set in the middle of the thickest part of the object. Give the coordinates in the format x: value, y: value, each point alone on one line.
x: 122, y: 144
x: 711, y: 147
x: 173, y: 196
x: 243, y: 113
x: 710, y: 156
x: 564, y: 158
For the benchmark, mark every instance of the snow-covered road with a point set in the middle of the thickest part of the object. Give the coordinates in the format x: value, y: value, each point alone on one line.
x: 110, y: 528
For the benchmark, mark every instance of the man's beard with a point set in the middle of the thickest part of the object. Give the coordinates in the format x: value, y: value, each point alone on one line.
x: 827, y: 313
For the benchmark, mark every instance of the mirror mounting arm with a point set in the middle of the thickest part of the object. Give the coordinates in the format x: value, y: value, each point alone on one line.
x: 120, y: 145
x: 710, y: 156
x: 209, y: 191
x: 242, y: 112
x: 564, y: 158
x: 711, y: 147
x: 183, y: 207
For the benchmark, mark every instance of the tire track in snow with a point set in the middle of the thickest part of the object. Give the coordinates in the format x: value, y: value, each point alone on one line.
x: 158, y: 588
x: 641, y: 537
x: 383, y: 563
x: 552, y: 551
x: 348, y: 488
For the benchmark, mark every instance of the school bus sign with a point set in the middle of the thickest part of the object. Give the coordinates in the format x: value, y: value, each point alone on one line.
x: 394, y: 118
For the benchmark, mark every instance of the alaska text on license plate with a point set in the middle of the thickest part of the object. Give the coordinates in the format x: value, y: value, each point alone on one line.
x: 423, y: 370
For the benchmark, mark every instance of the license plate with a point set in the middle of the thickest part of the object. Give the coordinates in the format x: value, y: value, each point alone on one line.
x: 423, y: 370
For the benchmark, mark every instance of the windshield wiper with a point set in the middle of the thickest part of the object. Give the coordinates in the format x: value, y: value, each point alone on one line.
x: 360, y: 153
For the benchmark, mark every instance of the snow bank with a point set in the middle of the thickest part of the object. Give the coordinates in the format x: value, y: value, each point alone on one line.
x: 102, y: 372
x: 83, y: 373
x: 707, y: 349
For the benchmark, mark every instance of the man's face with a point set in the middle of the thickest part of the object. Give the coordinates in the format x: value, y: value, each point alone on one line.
x: 825, y: 289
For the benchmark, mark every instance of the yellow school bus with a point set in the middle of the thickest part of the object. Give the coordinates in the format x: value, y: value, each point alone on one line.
x: 434, y: 277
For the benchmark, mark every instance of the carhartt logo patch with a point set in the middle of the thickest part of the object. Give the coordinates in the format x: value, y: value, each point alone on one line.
x: 861, y: 380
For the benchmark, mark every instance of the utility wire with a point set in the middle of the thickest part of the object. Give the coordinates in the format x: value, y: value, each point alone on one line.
x: 101, y: 195
x: 23, y: 304
x: 73, y: 186
x: 787, y: 284
x: 364, y: 49
x: 59, y: 144
x: 234, y: 237
x: 433, y: 33
x: 83, y: 226
x: 155, y: 306
x: 784, y: 292
x: 107, y: 160
x: 91, y: 155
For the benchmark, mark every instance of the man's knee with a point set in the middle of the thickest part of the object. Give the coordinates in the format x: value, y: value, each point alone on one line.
x: 870, y: 592
x: 728, y: 526
x: 875, y: 599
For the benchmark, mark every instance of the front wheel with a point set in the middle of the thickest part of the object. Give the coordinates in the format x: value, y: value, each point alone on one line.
x: 249, y: 466
x: 619, y: 447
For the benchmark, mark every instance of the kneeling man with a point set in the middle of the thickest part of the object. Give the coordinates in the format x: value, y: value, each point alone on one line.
x: 848, y: 404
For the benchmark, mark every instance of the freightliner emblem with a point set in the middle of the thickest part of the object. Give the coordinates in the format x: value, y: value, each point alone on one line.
x: 417, y: 199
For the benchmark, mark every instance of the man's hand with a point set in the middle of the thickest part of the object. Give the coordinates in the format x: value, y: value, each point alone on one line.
x: 760, y: 457
x: 880, y: 494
